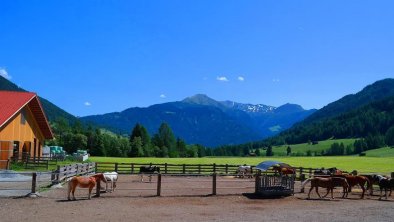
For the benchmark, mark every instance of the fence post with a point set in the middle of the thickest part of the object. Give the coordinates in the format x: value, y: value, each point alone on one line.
x: 301, y: 171
x: 132, y: 168
x: 159, y: 184
x: 392, y: 174
x: 165, y: 168
x: 96, y: 167
x: 116, y: 167
x: 214, y: 167
x: 33, y: 183
x: 199, y: 168
x: 58, y: 174
x: 302, y: 177
x: 226, y: 168
x: 8, y: 164
x: 184, y: 168
x: 214, y: 184
x: 310, y: 172
x: 98, y: 188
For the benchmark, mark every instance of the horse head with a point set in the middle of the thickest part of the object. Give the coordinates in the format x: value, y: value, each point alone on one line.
x: 99, y: 176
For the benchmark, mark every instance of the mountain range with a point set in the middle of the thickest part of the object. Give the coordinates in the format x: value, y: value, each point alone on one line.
x: 366, y: 113
x: 203, y: 120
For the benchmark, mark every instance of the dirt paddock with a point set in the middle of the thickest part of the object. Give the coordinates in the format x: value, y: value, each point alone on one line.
x: 189, y: 199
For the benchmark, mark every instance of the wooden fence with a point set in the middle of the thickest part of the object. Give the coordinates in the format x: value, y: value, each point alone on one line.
x: 39, y: 162
x: 228, y: 169
x: 134, y: 168
x: 64, y: 172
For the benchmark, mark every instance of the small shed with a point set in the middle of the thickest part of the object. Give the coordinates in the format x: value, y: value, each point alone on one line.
x: 273, y: 184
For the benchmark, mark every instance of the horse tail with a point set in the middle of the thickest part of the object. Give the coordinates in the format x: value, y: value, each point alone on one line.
x: 304, y: 183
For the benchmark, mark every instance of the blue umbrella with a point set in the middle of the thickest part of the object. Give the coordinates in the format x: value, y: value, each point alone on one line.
x: 265, y: 165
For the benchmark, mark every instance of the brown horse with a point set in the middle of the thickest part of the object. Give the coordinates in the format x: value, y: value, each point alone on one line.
x: 328, y: 182
x: 357, y: 180
x: 284, y: 170
x: 84, y: 182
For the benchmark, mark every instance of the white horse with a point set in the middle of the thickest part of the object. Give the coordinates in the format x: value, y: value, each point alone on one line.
x: 244, y: 171
x: 111, y: 177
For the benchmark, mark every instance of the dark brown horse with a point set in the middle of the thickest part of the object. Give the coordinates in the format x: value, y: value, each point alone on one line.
x: 84, y: 182
x: 329, y: 183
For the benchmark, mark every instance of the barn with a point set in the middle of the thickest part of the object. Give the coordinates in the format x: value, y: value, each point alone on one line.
x: 23, y: 127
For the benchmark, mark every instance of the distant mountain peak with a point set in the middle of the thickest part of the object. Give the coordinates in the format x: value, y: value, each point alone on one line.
x: 288, y: 107
x: 202, y: 99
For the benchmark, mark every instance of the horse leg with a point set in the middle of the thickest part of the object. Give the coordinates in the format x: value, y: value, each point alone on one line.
x: 150, y: 178
x: 328, y: 190
x: 73, y: 191
x: 344, y: 192
x: 90, y: 190
x: 332, y: 193
x: 362, y: 187
x: 317, y: 191
x: 112, y: 185
x: 69, y: 191
x: 142, y: 178
x: 309, y: 194
x: 380, y: 196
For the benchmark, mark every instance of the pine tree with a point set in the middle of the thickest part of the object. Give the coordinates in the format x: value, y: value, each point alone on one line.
x: 288, y: 150
x: 269, y: 151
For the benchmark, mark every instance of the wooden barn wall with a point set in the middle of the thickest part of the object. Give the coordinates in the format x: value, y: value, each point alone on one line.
x: 14, y: 130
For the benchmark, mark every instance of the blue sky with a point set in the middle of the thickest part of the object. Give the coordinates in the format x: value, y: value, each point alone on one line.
x: 94, y: 57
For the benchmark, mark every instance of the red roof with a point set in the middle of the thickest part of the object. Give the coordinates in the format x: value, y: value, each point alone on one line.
x: 12, y: 102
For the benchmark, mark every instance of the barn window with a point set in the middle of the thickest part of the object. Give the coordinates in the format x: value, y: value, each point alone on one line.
x: 23, y: 117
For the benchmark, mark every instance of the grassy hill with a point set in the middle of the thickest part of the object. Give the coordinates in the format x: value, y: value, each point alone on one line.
x: 382, y: 152
x: 302, y: 149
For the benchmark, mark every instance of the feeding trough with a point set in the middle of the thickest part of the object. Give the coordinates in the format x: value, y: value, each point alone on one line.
x: 274, y: 184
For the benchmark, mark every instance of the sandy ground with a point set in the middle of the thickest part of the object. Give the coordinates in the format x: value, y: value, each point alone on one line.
x: 188, y: 199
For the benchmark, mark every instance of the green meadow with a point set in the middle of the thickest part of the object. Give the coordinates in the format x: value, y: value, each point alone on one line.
x: 366, y: 164
x: 302, y: 149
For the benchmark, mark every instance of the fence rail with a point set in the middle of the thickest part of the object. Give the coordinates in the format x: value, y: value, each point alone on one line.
x: 64, y: 172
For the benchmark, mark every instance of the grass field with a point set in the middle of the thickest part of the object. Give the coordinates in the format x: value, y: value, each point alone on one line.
x: 302, y: 149
x: 382, y: 152
x: 362, y: 164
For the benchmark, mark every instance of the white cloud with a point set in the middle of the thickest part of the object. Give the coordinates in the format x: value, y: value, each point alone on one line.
x: 4, y: 73
x: 87, y: 104
x: 241, y: 78
x: 222, y: 78
x: 163, y: 96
